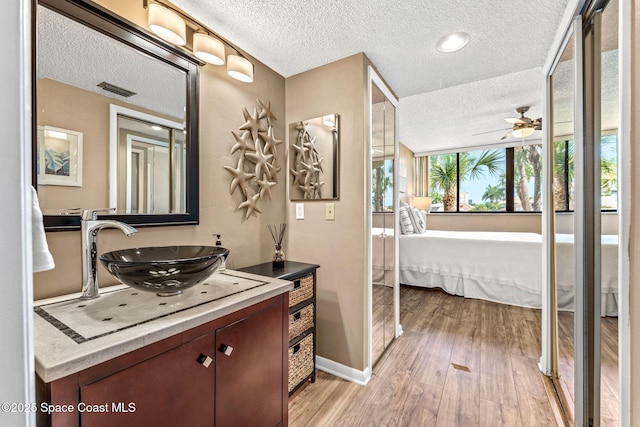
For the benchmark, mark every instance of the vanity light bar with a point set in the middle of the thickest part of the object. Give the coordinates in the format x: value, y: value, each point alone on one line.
x: 208, y: 47
x: 116, y: 89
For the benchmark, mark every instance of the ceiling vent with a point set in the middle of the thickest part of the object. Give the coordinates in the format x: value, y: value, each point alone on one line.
x: 115, y: 89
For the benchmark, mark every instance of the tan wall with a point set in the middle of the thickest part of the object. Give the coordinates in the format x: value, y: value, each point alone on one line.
x: 68, y: 107
x: 634, y: 232
x: 221, y: 102
x: 339, y: 246
x: 521, y: 222
x: 528, y: 223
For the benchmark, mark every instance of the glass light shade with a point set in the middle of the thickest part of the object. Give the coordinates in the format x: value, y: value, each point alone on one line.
x: 522, y: 132
x: 422, y: 203
x: 209, y: 49
x: 240, y: 68
x: 452, y: 42
x: 329, y: 120
x: 167, y: 24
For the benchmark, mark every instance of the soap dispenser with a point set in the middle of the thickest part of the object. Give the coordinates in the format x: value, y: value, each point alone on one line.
x: 223, y: 264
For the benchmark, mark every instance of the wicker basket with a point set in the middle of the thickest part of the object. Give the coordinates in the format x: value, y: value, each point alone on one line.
x: 302, y: 291
x: 300, y: 321
x: 300, y: 361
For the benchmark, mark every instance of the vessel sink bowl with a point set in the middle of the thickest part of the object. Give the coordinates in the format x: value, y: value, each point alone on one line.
x: 165, y: 270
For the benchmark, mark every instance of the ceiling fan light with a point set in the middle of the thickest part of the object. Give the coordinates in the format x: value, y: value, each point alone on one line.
x: 522, y: 132
x: 209, y: 49
x: 452, y: 42
x: 167, y: 24
x: 240, y: 68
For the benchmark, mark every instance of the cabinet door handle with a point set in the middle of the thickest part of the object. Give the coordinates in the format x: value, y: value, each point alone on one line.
x: 226, y: 349
x: 204, y: 360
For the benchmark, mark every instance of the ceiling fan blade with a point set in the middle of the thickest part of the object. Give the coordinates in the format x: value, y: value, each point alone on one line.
x: 514, y: 121
x: 491, y: 131
x: 506, y: 136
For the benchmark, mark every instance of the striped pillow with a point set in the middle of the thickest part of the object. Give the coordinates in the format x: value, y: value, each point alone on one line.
x: 421, y: 227
x: 406, y: 225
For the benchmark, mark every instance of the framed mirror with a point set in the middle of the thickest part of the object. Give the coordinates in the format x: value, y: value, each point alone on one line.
x: 134, y: 100
x: 313, y: 158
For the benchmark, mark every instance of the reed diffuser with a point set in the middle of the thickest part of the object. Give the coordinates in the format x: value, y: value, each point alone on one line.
x: 277, y: 234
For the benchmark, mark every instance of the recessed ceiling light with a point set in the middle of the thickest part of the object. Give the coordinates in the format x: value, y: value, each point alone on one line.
x: 452, y: 42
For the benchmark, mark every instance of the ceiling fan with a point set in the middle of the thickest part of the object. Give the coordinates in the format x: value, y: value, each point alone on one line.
x: 522, y: 127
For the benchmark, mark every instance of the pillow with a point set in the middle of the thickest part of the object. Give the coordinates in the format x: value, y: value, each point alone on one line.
x: 419, y: 220
x: 414, y: 224
x: 406, y: 226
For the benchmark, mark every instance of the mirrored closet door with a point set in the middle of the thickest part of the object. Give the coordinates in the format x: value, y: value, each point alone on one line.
x: 383, y: 161
x: 585, y: 116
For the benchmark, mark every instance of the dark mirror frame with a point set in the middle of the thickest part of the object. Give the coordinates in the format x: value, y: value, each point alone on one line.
x: 114, y: 26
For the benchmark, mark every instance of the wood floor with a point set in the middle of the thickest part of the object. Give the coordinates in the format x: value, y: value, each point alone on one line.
x: 460, y: 362
x: 609, y: 374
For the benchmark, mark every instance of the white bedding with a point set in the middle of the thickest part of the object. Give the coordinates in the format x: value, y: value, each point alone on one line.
x: 501, y: 267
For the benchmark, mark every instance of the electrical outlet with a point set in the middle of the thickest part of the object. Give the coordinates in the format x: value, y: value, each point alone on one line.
x: 330, y: 212
x: 299, y: 210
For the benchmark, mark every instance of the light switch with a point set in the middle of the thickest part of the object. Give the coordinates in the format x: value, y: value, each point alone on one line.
x: 330, y: 211
x: 299, y: 210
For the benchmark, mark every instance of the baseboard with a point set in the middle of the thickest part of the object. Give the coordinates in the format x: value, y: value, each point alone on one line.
x: 342, y: 371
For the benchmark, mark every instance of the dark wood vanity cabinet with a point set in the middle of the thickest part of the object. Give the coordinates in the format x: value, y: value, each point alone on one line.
x: 249, y: 388
x: 168, y: 389
x: 229, y: 372
x: 302, y: 317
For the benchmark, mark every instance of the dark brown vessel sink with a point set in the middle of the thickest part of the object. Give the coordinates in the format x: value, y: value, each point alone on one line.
x: 165, y: 270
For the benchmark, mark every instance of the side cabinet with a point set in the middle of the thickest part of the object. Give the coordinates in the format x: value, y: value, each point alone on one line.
x: 230, y: 371
x: 302, y: 318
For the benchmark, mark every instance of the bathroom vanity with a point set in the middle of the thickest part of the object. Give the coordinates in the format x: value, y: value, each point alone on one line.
x: 215, y: 355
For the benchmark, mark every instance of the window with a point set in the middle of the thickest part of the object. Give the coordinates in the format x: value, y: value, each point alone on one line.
x: 527, y: 176
x: 563, y: 175
x: 510, y: 179
x: 382, y: 185
x: 482, y: 181
x: 609, y: 172
x: 481, y: 175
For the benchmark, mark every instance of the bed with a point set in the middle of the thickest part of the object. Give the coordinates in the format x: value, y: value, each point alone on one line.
x: 503, y: 267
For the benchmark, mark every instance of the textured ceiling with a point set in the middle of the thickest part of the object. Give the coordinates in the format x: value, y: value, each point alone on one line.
x: 398, y: 36
x: 450, y: 117
x: 71, y: 53
x: 465, y: 92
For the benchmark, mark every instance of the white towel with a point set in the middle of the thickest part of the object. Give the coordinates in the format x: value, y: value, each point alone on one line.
x: 42, y: 259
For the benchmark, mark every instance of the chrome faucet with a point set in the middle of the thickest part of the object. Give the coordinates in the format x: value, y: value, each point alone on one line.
x: 90, y: 225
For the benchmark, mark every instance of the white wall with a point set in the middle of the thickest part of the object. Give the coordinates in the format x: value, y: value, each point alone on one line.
x: 16, y: 357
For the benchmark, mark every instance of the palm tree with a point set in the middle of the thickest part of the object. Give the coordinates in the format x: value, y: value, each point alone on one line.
x: 380, y: 182
x: 608, y: 176
x: 528, y: 164
x: 562, y: 174
x: 443, y: 174
x: 493, y: 194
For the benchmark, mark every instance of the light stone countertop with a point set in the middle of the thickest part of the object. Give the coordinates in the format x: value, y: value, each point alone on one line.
x: 71, y: 335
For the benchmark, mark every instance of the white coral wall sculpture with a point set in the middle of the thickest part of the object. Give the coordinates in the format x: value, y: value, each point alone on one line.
x: 307, y: 164
x: 256, y: 170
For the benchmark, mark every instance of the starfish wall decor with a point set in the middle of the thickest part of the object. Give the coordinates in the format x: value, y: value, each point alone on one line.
x: 256, y: 169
